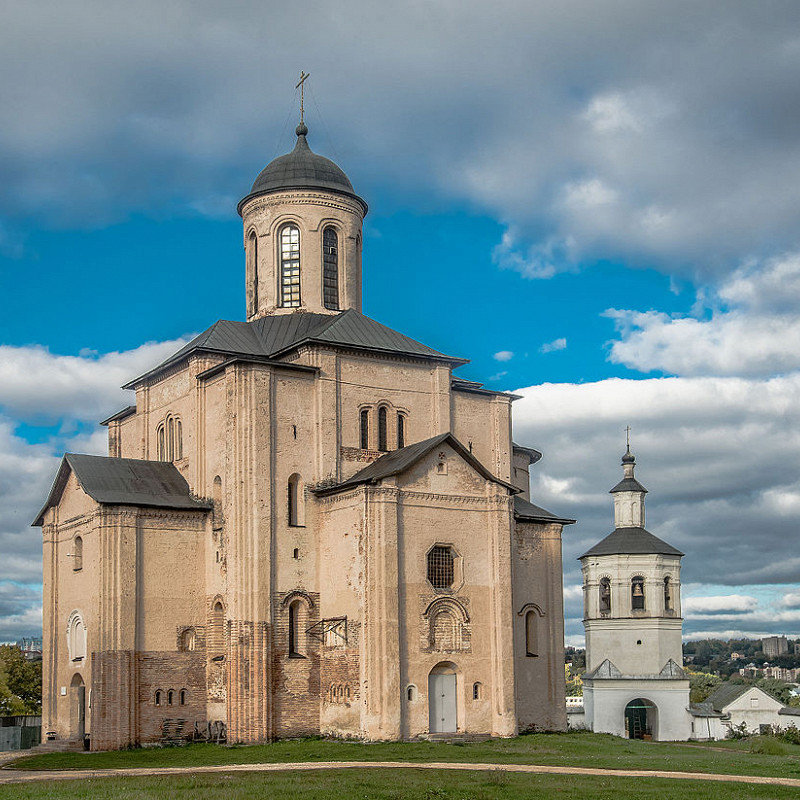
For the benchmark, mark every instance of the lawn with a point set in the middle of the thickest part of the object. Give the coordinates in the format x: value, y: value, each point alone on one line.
x: 383, y: 784
x: 571, y: 749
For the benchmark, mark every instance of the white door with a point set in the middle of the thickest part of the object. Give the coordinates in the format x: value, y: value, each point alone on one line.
x: 442, y: 703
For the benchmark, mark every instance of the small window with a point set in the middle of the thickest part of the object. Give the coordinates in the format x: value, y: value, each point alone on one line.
x: 605, y: 595
x: 188, y: 640
x: 77, y: 554
x: 169, y: 436
x: 441, y: 567
x: 667, y: 595
x: 365, y: 429
x: 411, y: 693
x: 753, y: 702
x: 183, y: 697
x: 158, y: 697
x: 295, y: 501
x: 294, y: 610
x: 162, y: 443
x: 290, y: 266
x: 252, y: 254
x: 170, y: 697
x: 330, y: 268
x: 637, y: 593
x: 382, y: 432
x: 401, y: 430
x: 477, y: 691
x: 296, y: 553
x: 531, y: 645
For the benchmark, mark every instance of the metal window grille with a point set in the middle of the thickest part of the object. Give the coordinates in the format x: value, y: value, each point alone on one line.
x: 290, y: 266
x: 441, y: 567
x: 401, y: 431
x: 365, y: 429
x: 330, y: 268
x: 637, y: 594
x: 382, y: 438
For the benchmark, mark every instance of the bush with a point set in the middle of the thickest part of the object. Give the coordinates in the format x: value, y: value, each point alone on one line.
x: 767, y: 746
x: 737, y: 731
x: 791, y: 735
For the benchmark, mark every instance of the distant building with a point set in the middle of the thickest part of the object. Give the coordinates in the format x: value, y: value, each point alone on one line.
x: 31, y: 648
x: 775, y: 645
x: 744, y: 704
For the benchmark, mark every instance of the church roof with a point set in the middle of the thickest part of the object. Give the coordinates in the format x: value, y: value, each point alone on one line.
x: 525, y: 511
x: 274, y: 336
x: 400, y: 460
x: 628, y: 485
x: 124, y: 481
x: 302, y: 169
x: 632, y: 541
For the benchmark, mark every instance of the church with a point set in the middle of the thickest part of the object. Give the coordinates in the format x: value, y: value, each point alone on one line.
x: 306, y: 524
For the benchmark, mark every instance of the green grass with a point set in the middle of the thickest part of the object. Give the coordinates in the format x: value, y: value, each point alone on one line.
x: 576, y: 749
x: 383, y: 784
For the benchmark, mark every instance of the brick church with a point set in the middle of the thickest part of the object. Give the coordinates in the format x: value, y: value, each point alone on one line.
x: 305, y: 525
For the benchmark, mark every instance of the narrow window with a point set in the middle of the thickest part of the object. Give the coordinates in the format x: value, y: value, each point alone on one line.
x: 401, y: 430
x: 605, y: 596
x: 162, y: 445
x: 294, y: 501
x: 637, y: 593
x: 158, y: 697
x: 382, y: 429
x: 188, y: 640
x: 411, y: 693
x: 290, y: 266
x: 170, y: 439
x: 253, y: 255
x: 531, y: 647
x: 365, y: 429
x: 667, y: 594
x: 77, y: 554
x: 183, y: 697
x: 330, y: 268
x: 294, y: 608
x: 441, y: 570
x: 170, y: 697
x: 215, y: 640
x: 77, y: 637
x: 296, y: 553
x: 477, y: 690
x: 178, y: 439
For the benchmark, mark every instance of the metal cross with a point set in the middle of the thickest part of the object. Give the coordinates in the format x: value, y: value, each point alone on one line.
x: 301, y: 85
x: 628, y: 436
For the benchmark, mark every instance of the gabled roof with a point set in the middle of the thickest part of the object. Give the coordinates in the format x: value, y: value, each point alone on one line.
x: 632, y: 541
x: 525, y: 511
x: 274, y: 336
x: 726, y: 694
x: 124, y: 481
x: 628, y: 485
x: 126, y: 412
x: 400, y: 460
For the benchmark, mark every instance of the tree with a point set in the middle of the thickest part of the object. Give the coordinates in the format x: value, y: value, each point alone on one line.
x: 702, y: 685
x: 20, y: 682
x: 780, y: 690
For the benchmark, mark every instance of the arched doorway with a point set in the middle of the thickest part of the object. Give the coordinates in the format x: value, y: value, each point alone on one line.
x: 641, y: 719
x: 442, y: 705
x: 77, y: 703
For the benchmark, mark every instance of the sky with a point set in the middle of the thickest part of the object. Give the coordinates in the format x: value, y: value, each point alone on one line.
x: 598, y: 204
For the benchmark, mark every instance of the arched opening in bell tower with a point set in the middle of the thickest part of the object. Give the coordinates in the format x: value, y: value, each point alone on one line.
x: 641, y: 719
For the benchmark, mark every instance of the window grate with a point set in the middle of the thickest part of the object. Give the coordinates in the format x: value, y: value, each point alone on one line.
x: 441, y: 567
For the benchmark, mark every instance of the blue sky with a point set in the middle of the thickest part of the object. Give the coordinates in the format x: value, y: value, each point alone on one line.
x: 596, y: 204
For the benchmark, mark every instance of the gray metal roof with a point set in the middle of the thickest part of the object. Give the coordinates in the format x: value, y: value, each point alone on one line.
x: 631, y: 541
x: 628, y: 485
x: 302, y: 169
x: 273, y: 336
x: 726, y: 694
x: 125, y: 481
x: 398, y: 461
x: 523, y: 510
x: 126, y: 412
x: 533, y: 454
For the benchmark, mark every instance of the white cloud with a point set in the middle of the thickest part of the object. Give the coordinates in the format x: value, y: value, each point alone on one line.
x: 759, y: 334
x: 556, y: 344
x: 726, y: 604
x: 503, y: 355
x: 791, y: 600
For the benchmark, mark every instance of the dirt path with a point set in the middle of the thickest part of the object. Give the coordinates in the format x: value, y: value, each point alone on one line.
x: 8, y: 775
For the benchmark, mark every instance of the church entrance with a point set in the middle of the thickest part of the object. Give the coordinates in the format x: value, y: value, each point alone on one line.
x: 77, y: 708
x: 442, y: 707
x: 640, y: 719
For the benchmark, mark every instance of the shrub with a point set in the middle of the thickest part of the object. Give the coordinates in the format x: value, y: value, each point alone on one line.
x: 737, y: 731
x: 767, y: 746
x: 791, y: 735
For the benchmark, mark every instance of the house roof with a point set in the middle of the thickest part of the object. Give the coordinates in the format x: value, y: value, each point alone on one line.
x: 528, y: 512
x: 400, y: 460
x: 726, y: 694
x: 631, y: 541
x: 274, y: 336
x: 126, y: 412
x: 124, y: 481
x: 704, y: 709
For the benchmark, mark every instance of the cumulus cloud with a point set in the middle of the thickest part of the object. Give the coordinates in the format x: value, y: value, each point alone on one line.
x: 758, y: 333
x: 556, y: 344
x: 725, y: 604
x: 791, y: 600
x: 503, y: 355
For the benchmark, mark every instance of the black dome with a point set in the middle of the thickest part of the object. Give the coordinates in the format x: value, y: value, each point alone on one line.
x: 302, y: 169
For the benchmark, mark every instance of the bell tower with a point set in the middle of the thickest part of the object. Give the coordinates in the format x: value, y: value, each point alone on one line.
x: 302, y: 236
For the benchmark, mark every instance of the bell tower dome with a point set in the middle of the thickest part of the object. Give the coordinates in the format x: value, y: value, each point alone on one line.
x: 302, y: 236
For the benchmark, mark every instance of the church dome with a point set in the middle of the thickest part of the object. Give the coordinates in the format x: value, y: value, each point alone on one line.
x: 301, y: 169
